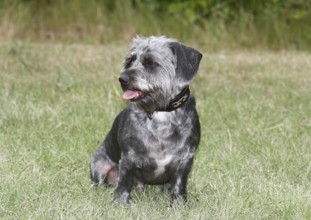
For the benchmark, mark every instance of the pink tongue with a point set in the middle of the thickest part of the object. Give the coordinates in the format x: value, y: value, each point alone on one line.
x: 130, y: 94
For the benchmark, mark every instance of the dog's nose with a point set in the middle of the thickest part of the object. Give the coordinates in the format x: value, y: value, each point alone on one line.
x: 124, y: 79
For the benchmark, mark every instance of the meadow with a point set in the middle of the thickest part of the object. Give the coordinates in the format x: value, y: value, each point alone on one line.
x: 58, y: 101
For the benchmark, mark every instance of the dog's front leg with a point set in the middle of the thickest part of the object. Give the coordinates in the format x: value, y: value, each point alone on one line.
x: 178, y: 182
x: 125, y: 183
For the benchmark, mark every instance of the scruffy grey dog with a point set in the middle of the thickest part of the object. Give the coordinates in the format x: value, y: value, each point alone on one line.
x: 153, y: 140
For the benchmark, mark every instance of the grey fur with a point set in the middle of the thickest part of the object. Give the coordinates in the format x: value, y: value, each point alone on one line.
x: 158, y: 149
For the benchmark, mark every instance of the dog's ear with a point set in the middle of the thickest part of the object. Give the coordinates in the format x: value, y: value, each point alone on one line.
x: 188, y: 60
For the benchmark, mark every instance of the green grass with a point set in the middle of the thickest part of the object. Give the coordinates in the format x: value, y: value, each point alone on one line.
x: 58, y: 102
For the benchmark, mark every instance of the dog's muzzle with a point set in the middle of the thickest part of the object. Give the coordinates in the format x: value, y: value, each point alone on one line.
x: 124, y: 79
x: 131, y: 94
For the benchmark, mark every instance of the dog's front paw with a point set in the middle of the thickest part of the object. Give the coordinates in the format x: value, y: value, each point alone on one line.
x: 122, y: 198
x: 178, y: 201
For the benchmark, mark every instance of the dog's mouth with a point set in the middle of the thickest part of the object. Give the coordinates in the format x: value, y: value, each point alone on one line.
x: 134, y: 95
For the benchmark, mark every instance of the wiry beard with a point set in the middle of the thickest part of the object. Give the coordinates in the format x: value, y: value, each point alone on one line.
x: 152, y: 102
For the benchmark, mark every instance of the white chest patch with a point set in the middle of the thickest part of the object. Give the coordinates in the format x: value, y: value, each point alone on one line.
x: 161, y: 116
x: 161, y: 163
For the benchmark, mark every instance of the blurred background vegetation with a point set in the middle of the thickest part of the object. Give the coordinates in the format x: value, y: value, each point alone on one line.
x: 212, y: 24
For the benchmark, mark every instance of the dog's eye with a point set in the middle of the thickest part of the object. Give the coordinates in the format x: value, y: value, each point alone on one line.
x: 149, y: 62
x: 128, y: 61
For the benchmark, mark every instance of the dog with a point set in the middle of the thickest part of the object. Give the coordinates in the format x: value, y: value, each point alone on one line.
x: 153, y: 140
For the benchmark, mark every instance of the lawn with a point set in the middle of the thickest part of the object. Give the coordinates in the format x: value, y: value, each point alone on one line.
x: 58, y: 102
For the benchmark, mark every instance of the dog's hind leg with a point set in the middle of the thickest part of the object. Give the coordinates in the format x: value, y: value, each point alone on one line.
x: 103, y: 169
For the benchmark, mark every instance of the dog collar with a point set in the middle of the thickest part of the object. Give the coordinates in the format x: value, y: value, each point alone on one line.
x: 178, y: 101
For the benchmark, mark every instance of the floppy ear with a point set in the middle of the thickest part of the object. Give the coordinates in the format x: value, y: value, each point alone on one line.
x: 188, y: 60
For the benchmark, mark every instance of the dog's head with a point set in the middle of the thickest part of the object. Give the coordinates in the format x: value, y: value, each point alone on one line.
x: 156, y: 70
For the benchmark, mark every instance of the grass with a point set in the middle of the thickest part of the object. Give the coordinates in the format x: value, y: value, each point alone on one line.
x: 58, y: 102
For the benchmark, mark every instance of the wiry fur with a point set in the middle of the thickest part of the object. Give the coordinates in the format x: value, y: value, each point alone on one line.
x: 145, y: 145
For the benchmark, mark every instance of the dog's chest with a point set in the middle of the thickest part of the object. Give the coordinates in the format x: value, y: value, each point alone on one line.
x: 164, y: 133
x: 164, y: 146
